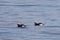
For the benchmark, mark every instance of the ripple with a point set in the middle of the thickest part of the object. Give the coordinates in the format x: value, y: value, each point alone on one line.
x: 4, y: 32
x: 50, y: 33
x: 17, y: 5
x: 4, y: 2
x: 52, y: 26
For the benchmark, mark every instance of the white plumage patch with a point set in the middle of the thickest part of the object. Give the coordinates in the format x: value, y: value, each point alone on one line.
x: 41, y: 24
x: 22, y: 26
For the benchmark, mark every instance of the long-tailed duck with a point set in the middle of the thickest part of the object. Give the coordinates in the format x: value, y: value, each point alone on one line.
x: 21, y: 25
x: 38, y: 24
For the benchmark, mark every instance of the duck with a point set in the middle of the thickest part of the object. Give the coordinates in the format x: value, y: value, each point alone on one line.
x: 38, y: 24
x: 21, y: 25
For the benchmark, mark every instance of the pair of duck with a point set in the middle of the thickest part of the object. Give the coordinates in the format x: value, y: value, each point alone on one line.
x: 35, y: 23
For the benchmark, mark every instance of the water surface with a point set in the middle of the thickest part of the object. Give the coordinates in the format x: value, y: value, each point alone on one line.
x: 28, y: 12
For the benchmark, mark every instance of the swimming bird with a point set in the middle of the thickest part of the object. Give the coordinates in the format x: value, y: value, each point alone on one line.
x: 38, y: 24
x: 21, y: 25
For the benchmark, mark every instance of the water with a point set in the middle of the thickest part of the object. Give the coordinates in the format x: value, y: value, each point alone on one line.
x: 28, y: 12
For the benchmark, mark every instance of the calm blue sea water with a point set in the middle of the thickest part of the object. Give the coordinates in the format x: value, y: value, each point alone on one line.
x: 28, y: 12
